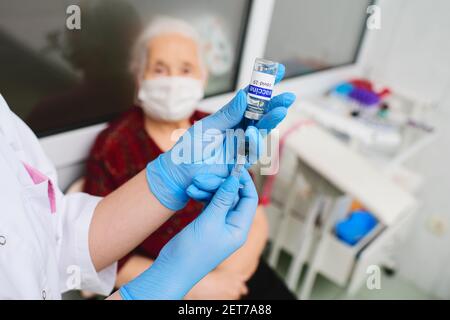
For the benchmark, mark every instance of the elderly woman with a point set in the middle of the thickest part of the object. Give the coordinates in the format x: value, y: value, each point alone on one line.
x: 171, y: 78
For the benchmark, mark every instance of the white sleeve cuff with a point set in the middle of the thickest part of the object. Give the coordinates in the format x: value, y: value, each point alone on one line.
x: 99, y: 282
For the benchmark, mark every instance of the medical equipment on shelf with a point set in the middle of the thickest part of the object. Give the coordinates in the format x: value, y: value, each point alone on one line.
x: 381, y: 123
x: 355, y: 227
x: 362, y: 92
x: 379, y: 108
x: 365, y: 129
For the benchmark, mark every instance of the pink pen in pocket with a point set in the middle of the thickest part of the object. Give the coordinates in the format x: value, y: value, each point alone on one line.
x: 39, y: 177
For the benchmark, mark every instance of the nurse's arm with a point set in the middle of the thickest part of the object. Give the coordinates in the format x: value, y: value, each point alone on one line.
x: 115, y: 296
x: 123, y: 219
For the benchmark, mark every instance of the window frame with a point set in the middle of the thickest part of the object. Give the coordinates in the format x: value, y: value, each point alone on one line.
x: 104, y: 118
x: 260, y: 42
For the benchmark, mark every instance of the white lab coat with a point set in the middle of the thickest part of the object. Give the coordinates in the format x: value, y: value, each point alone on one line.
x: 42, y: 254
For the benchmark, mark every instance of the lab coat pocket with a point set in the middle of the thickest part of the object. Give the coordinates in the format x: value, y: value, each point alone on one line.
x: 37, y: 199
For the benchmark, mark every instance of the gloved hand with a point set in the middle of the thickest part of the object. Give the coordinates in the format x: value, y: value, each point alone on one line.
x: 194, y: 252
x: 204, y: 186
x: 206, y: 147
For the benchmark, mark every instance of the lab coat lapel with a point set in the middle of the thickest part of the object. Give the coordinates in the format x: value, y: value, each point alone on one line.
x: 10, y: 145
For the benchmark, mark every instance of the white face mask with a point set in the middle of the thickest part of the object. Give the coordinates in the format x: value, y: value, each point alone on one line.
x: 170, y: 98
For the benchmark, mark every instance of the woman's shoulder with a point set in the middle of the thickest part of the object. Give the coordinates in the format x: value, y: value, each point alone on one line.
x: 127, y: 120
x: 122, y: 128
x: 199, y: 115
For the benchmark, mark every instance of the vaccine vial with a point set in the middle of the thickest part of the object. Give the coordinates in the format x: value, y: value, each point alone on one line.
x: 260, y: 90
x: 258, y: 97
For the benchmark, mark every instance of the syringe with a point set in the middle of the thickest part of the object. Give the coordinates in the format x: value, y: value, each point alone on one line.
x: 240, y: 160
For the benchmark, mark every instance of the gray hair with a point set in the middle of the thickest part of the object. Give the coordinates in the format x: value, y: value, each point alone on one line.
x: 159, y: 26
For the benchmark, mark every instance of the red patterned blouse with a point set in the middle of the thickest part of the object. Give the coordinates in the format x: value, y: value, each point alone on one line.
x: 121, y: 151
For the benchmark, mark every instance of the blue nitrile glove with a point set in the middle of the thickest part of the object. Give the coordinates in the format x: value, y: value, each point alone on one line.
x: 171, y: 173
x: 216, y: 233
x: 204, y: 186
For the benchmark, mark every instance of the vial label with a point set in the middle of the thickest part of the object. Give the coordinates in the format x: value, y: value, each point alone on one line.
x: 261, y: 85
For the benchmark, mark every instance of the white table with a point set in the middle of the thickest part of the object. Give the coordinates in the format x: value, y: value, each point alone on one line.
x: 347, y: 173
x: 346, y: 169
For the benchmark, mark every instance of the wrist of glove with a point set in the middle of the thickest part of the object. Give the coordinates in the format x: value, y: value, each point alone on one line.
x: 162, y: 281
x: 164, y: 186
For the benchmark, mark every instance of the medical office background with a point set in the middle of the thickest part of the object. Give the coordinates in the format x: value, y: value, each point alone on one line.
x: 67, y: 83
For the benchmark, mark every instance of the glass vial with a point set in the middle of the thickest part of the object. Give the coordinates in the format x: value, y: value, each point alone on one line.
x: 260, y: 90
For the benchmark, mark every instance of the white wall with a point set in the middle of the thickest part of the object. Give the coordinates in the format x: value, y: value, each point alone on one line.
x: 411, y: 52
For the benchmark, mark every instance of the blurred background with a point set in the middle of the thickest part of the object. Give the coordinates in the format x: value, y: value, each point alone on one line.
x: 367, y: 139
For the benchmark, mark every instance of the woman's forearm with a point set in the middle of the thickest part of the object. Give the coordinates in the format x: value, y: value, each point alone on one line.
x: 134, y: 266
x: 246, y: 259
x: 123, y: 219
x: 114, y: 296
